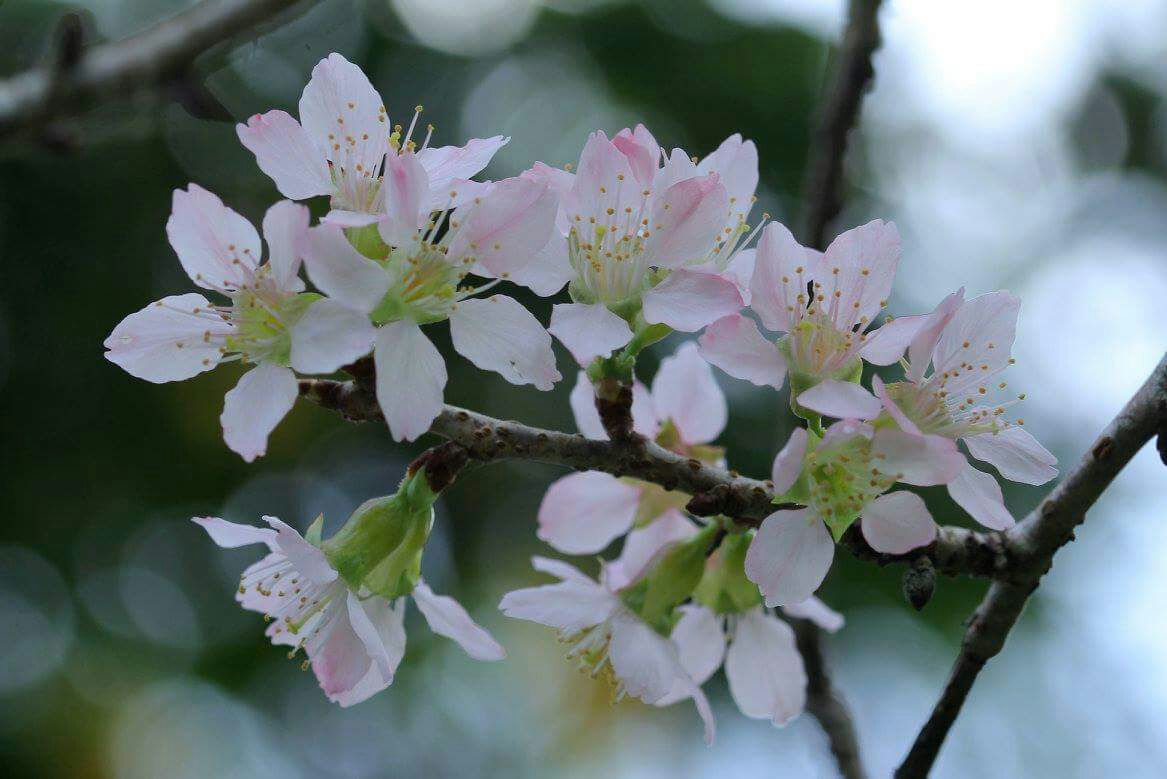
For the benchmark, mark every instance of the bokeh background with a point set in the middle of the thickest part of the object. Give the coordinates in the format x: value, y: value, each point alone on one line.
x: 1017, y: 145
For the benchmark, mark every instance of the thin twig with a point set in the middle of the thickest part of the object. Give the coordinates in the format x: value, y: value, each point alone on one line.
x: 825, y: 703
x: 1032, y: 545
x: 822, y: 199
x: 153, y: 59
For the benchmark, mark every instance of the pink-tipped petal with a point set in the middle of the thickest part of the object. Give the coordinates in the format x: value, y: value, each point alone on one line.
x: 411, y: 379
x: 734, y: 344
x: 979, y: 494
x: 588, y: 331
x: 584, y: 512
x: 642, y: 151
x: 788, y: 462
x: 1015, y: 453
x: 897, y: 522
x: 171, y: 339
x: 263, y: 396
x: 406, y: 189
x: 685, y: 391
x: 287, y: 154
x: 841, y: 400
x: 507, y: 228
x: 498, y: 334
x: 924, y: 341
x: 217, y: 247
x: 688, y: 300
x: 790, y: 556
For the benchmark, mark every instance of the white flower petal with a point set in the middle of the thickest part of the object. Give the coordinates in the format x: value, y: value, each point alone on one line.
x: 782, y: 270
x: 735, y: 345
x: 340, y: 271
x: 700, y: 640
x: 446, y: 617
x: 686, y: 221
x: 897, y: 522
x: 330, y: 335
x: 926, y: 337
x: 860, y: 264
x: 230, y: 534
x: 887, y: 344
x: 788, y: 462
x: 922, y: 460
x: 569, y: 606
x: 444, y: 164
x: 345, y: 117
x: 305, y: 558
x: 498, y: 334
x: 284, y: 226
x: 685, y: 391
x: 643, y: 545
x: 764, y: 668
x: 979, y: 494
x: 817, y: 612
x: 976, y: 341
x: 790, y: 556
x: 508, y: 227
x: 411, y: 379
x: 407, y: 197
x: 171, y: 339
x: 253, y: 408
x: 559, y: 569
x: 588, y: 331
x: 584, y: 512
x: 1016, y: 454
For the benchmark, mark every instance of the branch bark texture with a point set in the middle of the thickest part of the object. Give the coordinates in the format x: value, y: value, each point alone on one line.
x: 154, y: 58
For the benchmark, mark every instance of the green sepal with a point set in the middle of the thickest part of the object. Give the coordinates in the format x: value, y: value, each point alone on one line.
x: 380, y: 546
x: 367, y: 241
x: 673, y: 579
x: 619, y: 367
x: 314, y: 531
x: 838, y: 524
x: 724, y: 588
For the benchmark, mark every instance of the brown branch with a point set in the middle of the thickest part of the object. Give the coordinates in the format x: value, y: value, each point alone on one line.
x: 156, y: 58
x: 955, y: 552
x: 1032, y: 545
x: 825, y: 703
x: 822, y: 199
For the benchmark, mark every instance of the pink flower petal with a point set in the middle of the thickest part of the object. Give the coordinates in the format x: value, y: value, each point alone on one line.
x: 893, y: 410
x: 734, y: 344
x: 685, y: 391
x: 328, y: 336
x: 987, y: 324
x: 171, y: 339
x: 584, y: 512
x: 841, y: 400
x: 263, y: 396
x: 897, y: 522
x: 498, y: 334
x: 642, y: 151
x: 507, y: 228
x: 217, y: 247
x: 643, y: 545
x: 345, y: 117
x: 700, y: 638
x: 979, y: 494
x: 860, y: 264
x: 887, y: 344
x: 340, y: 271
x: 686, y: 221
x: 688, y: 300
x: 588, y: 331
x: 1015, y: 453
x: 445, y: 164
x: 764, y: 668
x: 924, y: 341
x: 287, y: 154
x: 411, y: 378
x: 446, y: 617
x: 788, y: 462
x: 922, y: 460
x: 817, y: 612
x: 284, y: 227
x: 406, y: 189
x: 790, y: 556
x: 782, y: 270
x: 736, y: 163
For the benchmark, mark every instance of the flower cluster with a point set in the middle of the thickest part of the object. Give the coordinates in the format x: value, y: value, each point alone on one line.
x: 647, y: 243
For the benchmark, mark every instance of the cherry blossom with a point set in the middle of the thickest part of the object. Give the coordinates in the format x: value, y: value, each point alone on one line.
x: 607, y: 637
x: 823, y: 304
x: 354, y: 641
x: 268, y: 320
x: 839, y: 478
x: 648, y: 239
x: 582, y: 513
x: 413, y: 277
x: 339, y: 147
x: 968, y: 345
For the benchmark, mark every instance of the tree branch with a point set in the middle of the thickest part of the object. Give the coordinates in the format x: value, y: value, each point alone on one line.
x: 158, y: 57
x: 955, y: 552
x: 825, y: 703
x: 839, y: 113
x: 1032, y: 545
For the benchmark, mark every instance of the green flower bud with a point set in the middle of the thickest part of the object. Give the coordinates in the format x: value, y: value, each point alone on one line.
x: 380, y: 546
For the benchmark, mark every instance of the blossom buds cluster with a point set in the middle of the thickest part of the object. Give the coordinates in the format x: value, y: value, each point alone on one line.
x: 647, y: 242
